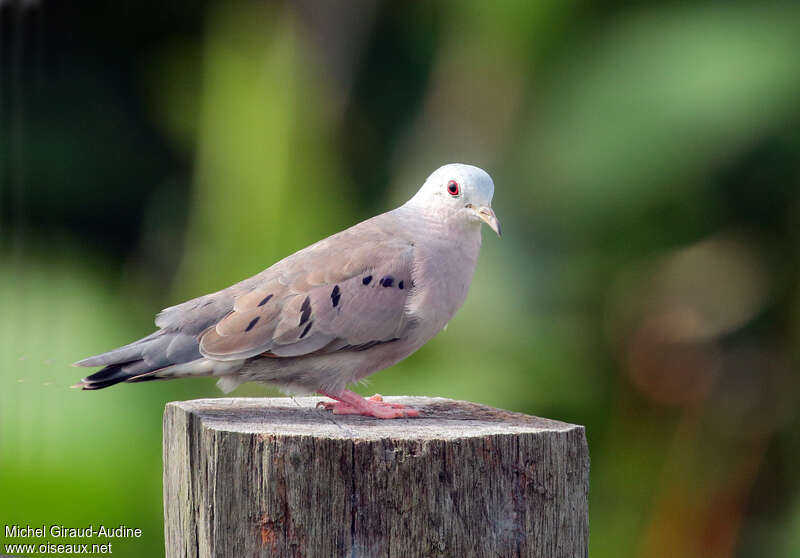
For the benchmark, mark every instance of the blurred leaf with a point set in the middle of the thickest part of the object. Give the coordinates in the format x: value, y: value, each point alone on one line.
x: 650, y: 105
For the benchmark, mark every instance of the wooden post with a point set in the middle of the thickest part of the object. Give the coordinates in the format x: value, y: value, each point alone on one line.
x: 279, y: 477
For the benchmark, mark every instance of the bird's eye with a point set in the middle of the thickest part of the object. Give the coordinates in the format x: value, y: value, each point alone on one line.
x: 452, y: 188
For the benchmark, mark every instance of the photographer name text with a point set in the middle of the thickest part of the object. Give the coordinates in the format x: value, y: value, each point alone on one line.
x: 64, y: 532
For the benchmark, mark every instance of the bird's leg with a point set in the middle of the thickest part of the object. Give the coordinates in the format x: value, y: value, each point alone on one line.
x: 349, y: 403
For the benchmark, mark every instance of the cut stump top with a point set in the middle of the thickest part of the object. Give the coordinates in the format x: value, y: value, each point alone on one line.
x: 440, y: 418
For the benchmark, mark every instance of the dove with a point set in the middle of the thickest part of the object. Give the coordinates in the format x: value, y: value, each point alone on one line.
x: 331, y: 314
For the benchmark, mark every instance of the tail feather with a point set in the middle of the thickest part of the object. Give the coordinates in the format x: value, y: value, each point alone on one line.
x: 132, y: 351
x: 140, y: 360
x: 132, y: 371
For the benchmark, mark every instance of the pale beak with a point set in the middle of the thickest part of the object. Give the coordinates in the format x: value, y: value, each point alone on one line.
x: 486, y: 214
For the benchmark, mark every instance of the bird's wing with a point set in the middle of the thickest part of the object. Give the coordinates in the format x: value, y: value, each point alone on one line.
x: 347, y: 292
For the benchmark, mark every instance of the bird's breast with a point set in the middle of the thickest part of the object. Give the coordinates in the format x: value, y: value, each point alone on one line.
x: 442, y: 273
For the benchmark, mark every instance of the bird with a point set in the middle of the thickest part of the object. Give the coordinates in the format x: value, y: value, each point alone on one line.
x: 332, y: 313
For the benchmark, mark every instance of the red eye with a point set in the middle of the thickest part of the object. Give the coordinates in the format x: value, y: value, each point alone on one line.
x: 452, y: 188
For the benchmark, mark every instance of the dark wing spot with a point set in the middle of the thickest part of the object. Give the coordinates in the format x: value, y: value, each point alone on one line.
x: 335, y: 295
x: 401, y: 285
x: 252, y: 324
x: 305, y: 310
x: 306, y: 330
x: 366, y: 280
x: 265, y: 300
x: 387, y: 281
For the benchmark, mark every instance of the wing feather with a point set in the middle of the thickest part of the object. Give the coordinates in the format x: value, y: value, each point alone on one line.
x: 345, y: 291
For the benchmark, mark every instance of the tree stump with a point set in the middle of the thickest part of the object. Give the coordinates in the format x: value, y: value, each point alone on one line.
x: 279, y: 477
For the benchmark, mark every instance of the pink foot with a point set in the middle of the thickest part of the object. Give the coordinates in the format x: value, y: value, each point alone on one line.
x: 349, y: 403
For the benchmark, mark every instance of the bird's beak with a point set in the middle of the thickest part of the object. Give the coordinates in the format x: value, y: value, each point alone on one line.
x: 486, y: 214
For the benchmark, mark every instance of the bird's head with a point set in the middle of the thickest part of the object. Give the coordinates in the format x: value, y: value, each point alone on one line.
x: 462, y: 190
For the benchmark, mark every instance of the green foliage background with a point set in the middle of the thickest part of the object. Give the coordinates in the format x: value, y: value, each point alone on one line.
x: 646, y: 158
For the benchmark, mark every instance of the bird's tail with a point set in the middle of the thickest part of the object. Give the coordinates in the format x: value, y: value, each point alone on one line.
x: 134, y: 371
x: 140, y: 361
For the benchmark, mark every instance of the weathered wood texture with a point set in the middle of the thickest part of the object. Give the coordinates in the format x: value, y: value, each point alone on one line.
x: 279, y: 477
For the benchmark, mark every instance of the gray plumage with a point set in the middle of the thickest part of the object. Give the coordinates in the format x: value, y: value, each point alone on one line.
x: 332, y: 313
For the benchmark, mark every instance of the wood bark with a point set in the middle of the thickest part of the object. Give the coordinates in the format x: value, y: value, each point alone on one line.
x: 279, y: 477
